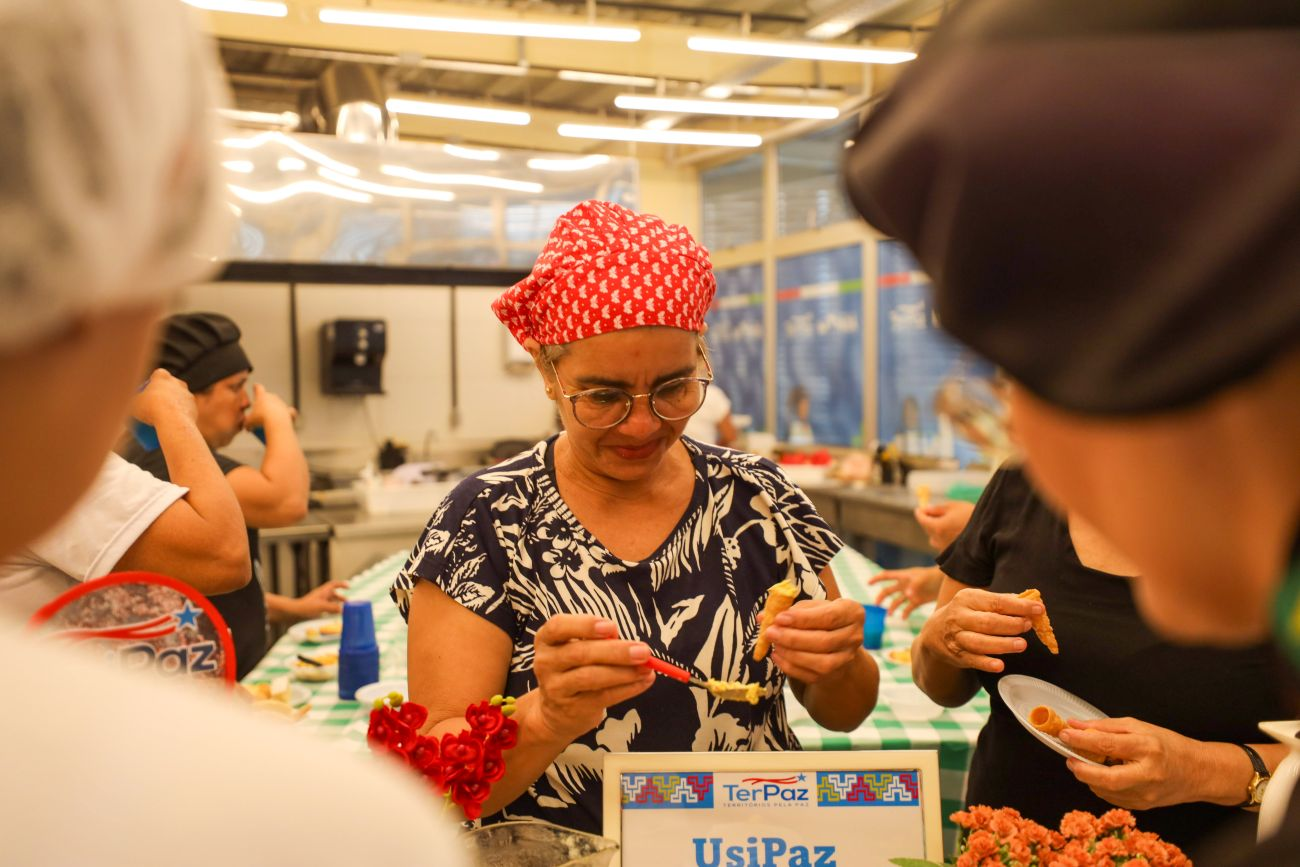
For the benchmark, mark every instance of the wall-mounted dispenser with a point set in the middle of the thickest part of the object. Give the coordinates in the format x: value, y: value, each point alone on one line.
x: 352, y: 356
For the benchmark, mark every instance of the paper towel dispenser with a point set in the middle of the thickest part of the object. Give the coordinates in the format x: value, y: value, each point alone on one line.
x: 352, y: 356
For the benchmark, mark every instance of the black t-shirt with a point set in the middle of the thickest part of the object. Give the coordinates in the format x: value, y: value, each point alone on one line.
x: 244, y: 609
x: 1108, y: 657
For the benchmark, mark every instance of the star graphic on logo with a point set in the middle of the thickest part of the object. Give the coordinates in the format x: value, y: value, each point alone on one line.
x: 188, y: 616
x: 803, y: 778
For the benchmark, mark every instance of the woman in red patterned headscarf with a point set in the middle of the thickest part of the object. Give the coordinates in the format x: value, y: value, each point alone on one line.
x: 555, y: 575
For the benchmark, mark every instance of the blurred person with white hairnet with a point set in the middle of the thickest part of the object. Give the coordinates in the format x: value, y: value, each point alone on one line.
x: 109, y: 201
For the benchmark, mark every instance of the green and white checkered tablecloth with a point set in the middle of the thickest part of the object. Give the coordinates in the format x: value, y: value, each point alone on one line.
x: 903, y: 719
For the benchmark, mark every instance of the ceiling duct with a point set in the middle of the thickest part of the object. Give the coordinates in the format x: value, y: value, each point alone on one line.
x: 352, y: 104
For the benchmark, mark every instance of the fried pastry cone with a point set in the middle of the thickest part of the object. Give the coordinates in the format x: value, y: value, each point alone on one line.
x: 779, y: 598
x: 1046, y: 720
x: 1042, y: 625
x: 922, y: 496
x: 1049, y: 722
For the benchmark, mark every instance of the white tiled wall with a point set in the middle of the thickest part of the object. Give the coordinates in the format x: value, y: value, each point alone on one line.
x: 341, y: 432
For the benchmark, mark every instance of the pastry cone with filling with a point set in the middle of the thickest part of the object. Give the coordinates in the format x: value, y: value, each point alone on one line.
x: 779, y: 598
x: 922, y: 496
x: 1042, y: 625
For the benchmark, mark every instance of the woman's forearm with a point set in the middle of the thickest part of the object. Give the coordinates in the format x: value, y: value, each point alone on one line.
x: 1223, y: 771
x: 841, y: 701
x: 526, y: 761
x: 945, y: 684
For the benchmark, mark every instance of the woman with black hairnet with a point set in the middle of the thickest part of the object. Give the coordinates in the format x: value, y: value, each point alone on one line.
x: 110, y: 201
x: 1108, y: 199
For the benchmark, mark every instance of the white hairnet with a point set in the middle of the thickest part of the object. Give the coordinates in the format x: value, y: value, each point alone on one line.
x: 109, y: 192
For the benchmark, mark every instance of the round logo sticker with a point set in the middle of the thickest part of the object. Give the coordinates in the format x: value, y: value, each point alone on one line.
x: 143, y: 621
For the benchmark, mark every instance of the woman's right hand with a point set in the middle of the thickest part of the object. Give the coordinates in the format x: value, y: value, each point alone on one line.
x: 976, y: 626
x: 907, y: 588
x: 582, y: 668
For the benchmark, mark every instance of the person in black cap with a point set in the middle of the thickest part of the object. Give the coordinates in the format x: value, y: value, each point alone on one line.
x: 204, y: 352
x: 1107, y: 196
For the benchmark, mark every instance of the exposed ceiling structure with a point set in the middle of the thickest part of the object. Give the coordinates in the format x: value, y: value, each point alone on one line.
x: 276, y: 64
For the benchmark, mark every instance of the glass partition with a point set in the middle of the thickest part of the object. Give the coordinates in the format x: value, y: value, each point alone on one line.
x: 316, y: 198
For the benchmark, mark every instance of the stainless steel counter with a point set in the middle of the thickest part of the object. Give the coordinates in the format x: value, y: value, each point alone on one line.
x: 875, y: 513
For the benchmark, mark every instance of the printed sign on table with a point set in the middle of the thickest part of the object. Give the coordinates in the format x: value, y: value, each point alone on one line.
x: 819, y: 347
x: 143, y: 621
x: 796, y: 809
x: 737, y: 342
x: 936, y: 396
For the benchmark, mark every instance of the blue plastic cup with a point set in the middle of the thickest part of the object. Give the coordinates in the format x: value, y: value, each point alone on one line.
x: 358, y: 650
x: 873, y: 628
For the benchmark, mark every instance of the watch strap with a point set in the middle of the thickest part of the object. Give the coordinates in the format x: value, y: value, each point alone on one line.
x: 1261, y: 770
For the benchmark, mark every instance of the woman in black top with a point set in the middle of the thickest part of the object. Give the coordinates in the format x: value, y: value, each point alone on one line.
x: 1177, y: 714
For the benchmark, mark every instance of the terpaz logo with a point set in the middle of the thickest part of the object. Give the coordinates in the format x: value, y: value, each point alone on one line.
x: 792, y: 790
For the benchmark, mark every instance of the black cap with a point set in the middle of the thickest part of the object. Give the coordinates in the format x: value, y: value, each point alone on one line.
x: 201, y: 348
x: 1106, y: 195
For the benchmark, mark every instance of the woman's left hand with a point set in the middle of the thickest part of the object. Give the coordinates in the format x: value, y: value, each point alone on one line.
x: 1158, y: 765
x: 816, y: 638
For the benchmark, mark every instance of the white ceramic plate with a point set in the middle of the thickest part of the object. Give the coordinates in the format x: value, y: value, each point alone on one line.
x: 300, y: 631
x: 371, y: 691
x: 1023, y: 693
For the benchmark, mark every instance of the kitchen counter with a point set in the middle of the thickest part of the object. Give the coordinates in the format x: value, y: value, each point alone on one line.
x: 871, y: 513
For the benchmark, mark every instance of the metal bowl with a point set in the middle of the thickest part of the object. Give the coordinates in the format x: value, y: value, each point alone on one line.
x: 537, y: 844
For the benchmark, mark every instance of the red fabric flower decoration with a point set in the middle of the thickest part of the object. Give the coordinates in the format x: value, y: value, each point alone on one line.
x: 461, y: 766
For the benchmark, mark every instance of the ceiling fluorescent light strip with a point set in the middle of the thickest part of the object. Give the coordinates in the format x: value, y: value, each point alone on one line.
x: 633, y: 102
x: 298, y: 188
x: 386, y: 189
x: 457, y: 180
x: 483, y: 155
x: 452, y: 111
x: 686, y: 137
x: 242, y: 7
x: 482, y: 26
x: 799, y: 50
x: 577, y: 164
x: 606, y: 78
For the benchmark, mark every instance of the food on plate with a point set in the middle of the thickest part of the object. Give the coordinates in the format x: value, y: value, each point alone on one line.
x: 274, y: 697
x: 922, y: 496
x: 734, y: 690
x: 903, y: 656
x: 1049, y: 722
x: 1042, y: 625
x: 316, y: 667
x: 325, y: 631
x: 779, y: 598
x: 1046, y: 720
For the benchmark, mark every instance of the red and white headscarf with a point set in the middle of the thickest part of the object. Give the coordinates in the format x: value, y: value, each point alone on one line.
x: 605, y: 268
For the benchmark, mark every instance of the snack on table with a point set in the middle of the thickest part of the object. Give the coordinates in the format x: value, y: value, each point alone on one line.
x: 1049, y: 722
x: 779, y: 598
x: 326, y: 667
x: 1042, y: 625
x: 325, y: 631
x: 275, y: 697
x: 903, y: 656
